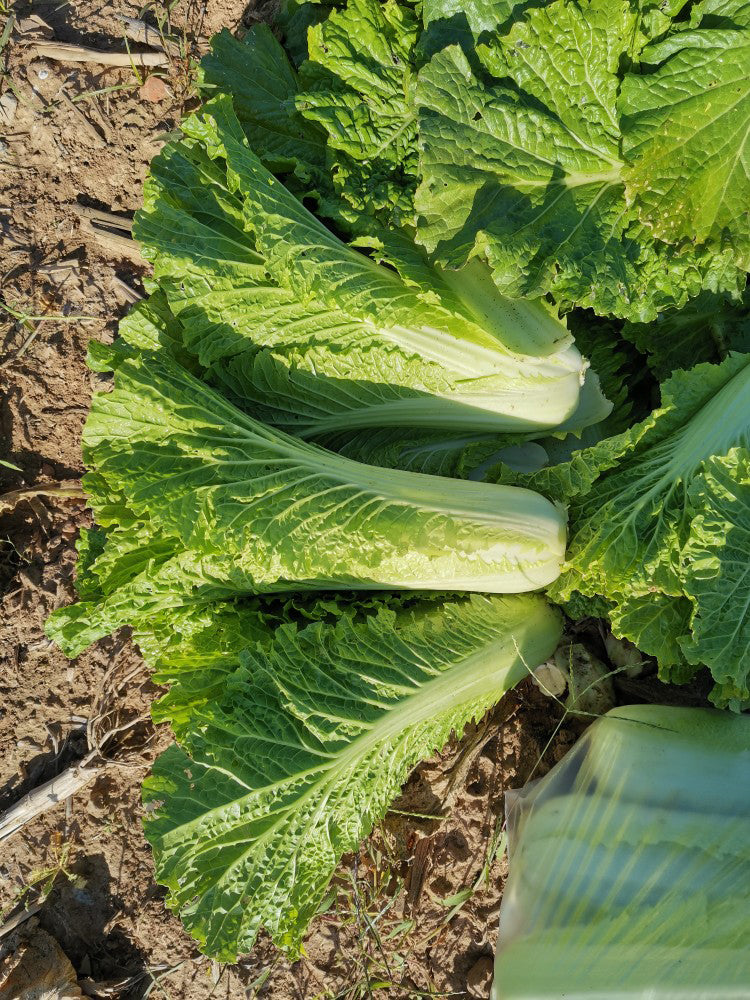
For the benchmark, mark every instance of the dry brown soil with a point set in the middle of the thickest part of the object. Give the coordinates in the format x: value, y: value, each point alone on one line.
x: 105, y: 909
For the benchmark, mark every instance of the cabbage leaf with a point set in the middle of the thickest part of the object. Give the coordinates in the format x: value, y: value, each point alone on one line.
x: 315, y: 736
x: 203, y: 503
x: 350, y: 343
x: 660, y: 527
x: 522, y: 162
x: 686, y: 132
x: 357, y: 85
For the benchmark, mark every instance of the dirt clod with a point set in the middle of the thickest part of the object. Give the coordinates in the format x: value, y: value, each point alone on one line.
x: 479, y: 977
x: 37, y: 969
x: 154, y: 89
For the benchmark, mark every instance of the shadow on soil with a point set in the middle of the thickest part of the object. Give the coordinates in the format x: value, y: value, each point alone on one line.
x: 80, y: 912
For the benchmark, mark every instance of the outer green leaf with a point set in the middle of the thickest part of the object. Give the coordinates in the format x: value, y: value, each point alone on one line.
x: 686, y: 132
x: 611, y: 358
x: 119, y: 547
x: 726, y: 13
x: 705, y: 330
x: 152, y: 326
x: 293, y: 19
x: 489, y: 171
x: 717, y: 575
x: 631, y: 529
x: 195, y: 650
x: 263, y: 87
x: 313, y: 740
x: 436, y: 454
x: 577, y: 607
x: 357, y: 85
x: 661, y: 533
x: 575, y: 473
x: 642, y: 277
x: 245, y: 509
x: 526, y: 169
x: 655, y: 623
x: 480, y: 15
x: 292, y: 399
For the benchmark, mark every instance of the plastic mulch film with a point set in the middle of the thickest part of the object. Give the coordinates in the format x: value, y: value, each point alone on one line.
x: 630, y: 864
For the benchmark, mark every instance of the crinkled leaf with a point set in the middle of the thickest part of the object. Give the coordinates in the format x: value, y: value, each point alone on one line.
x: 661, y: 532
x: 573, y: 478
x: 526, y: 169
x: 292, y: 399
x: 481, y: 15
x: 503, y: 171
x: 313, y: 740
x: 293, y: 19
x: 194, y: 650
x: 436, y: 454
x: 352, y: 343
x: 579, y: 606
x: 230, y: 507
x: 655, y: 622
x: 357, y: 85
x: 629, y: 530
x: 723, y: 13
x: 706, y: 329
x: 152, y: 326
x: 717, y: 573
x: 686, y: 134
x: 263, y: 86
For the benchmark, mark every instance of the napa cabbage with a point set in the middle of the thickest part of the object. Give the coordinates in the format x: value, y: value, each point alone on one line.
x: 316, y: 732
x: 200, y: 502
x: 661, y: 527
x: 276, y: 307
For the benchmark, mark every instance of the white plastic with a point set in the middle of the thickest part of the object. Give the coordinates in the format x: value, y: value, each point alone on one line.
x: 630, y: 865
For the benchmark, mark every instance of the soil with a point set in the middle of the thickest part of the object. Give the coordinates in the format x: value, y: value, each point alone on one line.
x: 86, y: 861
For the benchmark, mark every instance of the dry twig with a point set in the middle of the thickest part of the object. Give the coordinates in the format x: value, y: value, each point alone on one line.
x: 10, y: 925
x: 108, y: 219
x: 47, y: 795
x: 111, y: 231
x: 90, y: 129
x: 129, y: 294
x: 112, y: 242
x: 64, y: 52
x: 71, y: 490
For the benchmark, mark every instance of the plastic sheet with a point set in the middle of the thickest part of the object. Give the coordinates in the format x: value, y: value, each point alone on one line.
x: 630, y: 864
